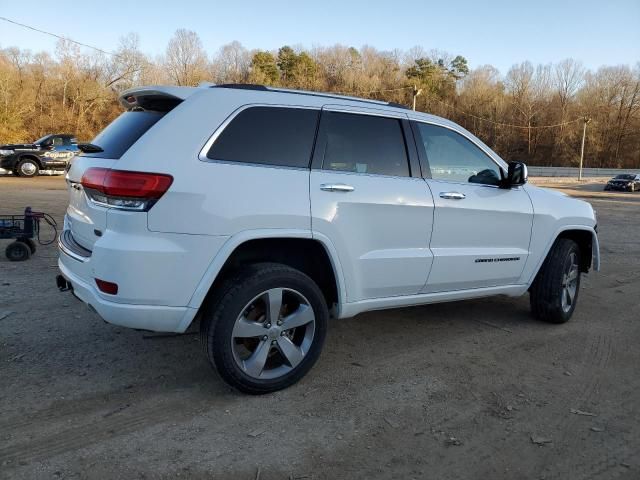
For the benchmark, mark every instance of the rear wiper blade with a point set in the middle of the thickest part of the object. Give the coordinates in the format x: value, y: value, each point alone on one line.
x: 89, y: 148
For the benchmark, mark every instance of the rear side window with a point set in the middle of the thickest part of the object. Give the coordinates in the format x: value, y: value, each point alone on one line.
x: 123, y: 132
x: 364, y: 144
x: 268, y: 135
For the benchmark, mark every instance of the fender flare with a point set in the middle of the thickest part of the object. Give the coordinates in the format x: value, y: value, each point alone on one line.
x: 234, y: 241
x: 595, y: 247
x: 31, y: 157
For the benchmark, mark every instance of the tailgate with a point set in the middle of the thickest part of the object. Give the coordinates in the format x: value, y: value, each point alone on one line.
x: 84, y: 218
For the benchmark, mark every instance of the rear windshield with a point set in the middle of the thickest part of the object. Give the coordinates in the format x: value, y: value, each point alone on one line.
x: 123, y: 132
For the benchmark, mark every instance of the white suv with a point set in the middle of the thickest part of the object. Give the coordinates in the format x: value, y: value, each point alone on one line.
x: 261, y: 212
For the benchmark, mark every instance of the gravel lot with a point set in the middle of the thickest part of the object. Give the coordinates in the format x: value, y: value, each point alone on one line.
x: 475, y: 389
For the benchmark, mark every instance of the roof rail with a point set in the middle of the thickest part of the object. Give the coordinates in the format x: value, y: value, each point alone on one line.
x: 241, y: 86
x: 264, y: 88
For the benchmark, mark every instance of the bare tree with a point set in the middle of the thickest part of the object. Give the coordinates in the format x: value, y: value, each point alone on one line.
x: 186, y: 60
x: 569, y: 75
x: 123, y: 69
x: 232, y: 64
x: 76, y: 91
x: 529, y: 88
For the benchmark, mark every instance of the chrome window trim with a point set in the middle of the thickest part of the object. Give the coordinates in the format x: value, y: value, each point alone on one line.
x: 376, y: 175
x: 202, y: 156
x: 453, y: 182
x: 358, y: 110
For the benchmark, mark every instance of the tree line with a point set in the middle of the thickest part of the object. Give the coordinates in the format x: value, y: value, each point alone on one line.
x: 533, y: 113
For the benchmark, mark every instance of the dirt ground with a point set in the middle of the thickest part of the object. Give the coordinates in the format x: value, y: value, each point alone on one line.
x: 474, y: 390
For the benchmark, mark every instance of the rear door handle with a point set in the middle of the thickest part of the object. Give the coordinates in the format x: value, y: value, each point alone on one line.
x: 336, y: 187
x: 452, y: 195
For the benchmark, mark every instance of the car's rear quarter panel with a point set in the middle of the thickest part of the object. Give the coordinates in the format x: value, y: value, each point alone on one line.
x: 215, y: 198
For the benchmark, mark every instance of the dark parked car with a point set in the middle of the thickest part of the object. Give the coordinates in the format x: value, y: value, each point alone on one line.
x: 628, y: 182
x: 51, y: 152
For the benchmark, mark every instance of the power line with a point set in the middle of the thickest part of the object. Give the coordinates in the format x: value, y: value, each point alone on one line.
x: 58, y: 36
x: 507, y: 124
x: 502, y: 124
x: 372, y: 92
x: 383, y: 91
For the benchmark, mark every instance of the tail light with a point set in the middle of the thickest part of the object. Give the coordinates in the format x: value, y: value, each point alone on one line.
x: 107, y: 287
x: 124, y: 190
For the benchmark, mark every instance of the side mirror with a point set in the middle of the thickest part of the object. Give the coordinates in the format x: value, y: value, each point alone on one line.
x: 516, y: 175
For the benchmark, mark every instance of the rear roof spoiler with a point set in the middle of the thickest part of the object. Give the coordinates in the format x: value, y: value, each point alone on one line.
x: 159, y: 98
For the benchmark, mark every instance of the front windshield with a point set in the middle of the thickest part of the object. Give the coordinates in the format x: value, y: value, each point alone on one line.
x: 625, y: 177
x: 41, y: 140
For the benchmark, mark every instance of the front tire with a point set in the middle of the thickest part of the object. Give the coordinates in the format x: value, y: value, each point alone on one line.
x: 554, y: 293
x: 28, y: 168
x: 264, y: 327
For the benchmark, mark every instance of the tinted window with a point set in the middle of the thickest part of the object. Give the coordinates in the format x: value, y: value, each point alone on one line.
x: 364, y: 144
x: 453, y: 157
x: 123, y: 132
x: 57, y: 141
x: 268, y: 135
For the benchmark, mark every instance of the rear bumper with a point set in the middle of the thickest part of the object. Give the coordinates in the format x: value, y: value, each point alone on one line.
x: 156, y: 273
x: 143, y: 317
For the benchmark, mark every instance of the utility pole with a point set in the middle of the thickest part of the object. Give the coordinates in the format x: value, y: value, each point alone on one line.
x: 584, y: 134
x: 416, y: 92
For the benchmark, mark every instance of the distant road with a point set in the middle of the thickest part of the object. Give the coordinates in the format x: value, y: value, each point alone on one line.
x: 573, y: 171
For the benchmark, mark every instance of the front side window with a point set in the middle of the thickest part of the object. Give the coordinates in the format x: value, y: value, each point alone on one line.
x: 268, y: 135
x: 57, y: 141
x: 364, y: 144
x: 455, y: 158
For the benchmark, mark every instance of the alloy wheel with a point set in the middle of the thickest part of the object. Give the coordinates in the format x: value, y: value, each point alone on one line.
x: 273, y: 333
x: 570, y: 282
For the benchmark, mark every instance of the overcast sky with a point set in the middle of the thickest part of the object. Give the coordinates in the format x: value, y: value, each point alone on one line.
x: 500, y: 33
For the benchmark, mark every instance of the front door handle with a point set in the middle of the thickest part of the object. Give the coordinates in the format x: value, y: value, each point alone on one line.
x: 452, y: 195
x: 336, y: 187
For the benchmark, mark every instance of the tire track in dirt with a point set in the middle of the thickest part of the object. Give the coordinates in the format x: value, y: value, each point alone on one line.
x: 86, y: 406
x: 99, y: 430
x: 596, y: 354
x: 618, y: 446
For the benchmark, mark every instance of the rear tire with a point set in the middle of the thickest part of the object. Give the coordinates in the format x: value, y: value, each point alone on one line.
x: 243, y: 329
x: 17, y: 251
x: 554, y: 293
